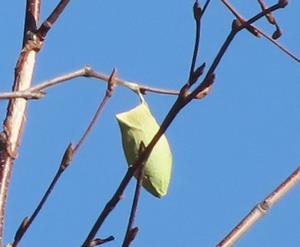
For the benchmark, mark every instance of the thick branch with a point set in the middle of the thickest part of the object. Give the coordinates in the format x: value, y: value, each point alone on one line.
x: 16, y: 110
x: 15, y: 116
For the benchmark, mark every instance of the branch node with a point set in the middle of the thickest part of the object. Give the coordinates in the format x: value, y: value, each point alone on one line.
x: 87, y: 70
x: 236, y: 25
x: 203, y: 93
x: 37, y: 95
x: 197, y: 11
x: 34, y: 42
x: 111, y: 82
x: 264, y: 206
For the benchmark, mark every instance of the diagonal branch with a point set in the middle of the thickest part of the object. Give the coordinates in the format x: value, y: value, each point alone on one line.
x: 276, y: 43
x: 109, y: 91
x: 48, y: 23
x: 261, y: 209
x: 66, y: 160
x: 257, y: 31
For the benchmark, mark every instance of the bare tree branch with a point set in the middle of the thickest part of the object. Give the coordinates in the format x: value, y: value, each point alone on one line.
x: 48, y: 23
x: 257, y: 31
x: 66, y: 160
x: 271, y: 19
x: 237, y: 26
x: 14, y: 120
x: 16, y: 110
x: 261, y: 209
x: 23, y: 91
x: 110, y: 87
x: 132, y: 231
x: 36, y: 92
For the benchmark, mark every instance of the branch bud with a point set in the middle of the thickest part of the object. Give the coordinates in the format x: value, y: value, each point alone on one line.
x: 197, y: 11
x: 283, y: 3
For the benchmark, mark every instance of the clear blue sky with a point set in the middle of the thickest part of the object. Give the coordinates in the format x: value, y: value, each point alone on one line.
x: 230, y: 150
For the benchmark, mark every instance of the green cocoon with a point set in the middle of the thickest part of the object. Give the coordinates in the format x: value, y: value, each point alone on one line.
x: 138, y: 125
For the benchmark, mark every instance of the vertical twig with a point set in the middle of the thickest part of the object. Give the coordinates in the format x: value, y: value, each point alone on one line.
x: 197, y: 16
x: 15, y: 116
x: 132, y: 231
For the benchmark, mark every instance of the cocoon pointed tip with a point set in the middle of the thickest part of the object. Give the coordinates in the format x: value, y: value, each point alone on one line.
x: 138, y: 125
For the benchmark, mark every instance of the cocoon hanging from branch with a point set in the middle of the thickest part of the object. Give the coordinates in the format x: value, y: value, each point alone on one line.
x: 138, y: 125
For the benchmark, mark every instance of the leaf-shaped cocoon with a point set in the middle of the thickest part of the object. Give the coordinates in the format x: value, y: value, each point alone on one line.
x: 138, y: 125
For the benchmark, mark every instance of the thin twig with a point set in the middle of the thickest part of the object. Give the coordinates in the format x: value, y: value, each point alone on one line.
x: 134, y: 86
x: 132, y: 231
x: 258, y: 31
x: 261, y: 209
x: 205, y: 6
x: 195, y: 73
x: 110, y: 87
x: 236, y: 27
x: 48, y: 23
x: 276, y: 43
x: 271, y: 19
x: 269, y: 16
x: 109, y: 207
x: 197, y: 17
x: 36, y: 91
x: 66, y: 160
